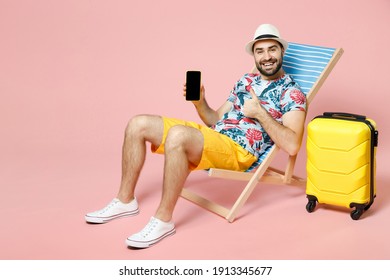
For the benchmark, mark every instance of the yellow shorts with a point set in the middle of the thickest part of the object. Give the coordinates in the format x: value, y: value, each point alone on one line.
x: 219, y: 151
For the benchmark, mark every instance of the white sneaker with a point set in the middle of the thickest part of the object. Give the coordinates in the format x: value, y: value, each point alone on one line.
x: 155, y: 231
x: 115, y: 209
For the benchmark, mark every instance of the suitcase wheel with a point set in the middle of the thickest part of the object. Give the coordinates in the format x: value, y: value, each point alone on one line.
x: 359, y: 210
x: 311, y: 204
x: 355, y: 214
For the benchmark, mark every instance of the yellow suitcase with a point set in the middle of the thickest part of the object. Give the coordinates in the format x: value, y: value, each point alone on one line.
x: 341, y: 150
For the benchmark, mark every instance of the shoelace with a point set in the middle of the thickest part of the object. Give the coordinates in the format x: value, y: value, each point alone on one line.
x: 105, y: 209
x: 149, y: 228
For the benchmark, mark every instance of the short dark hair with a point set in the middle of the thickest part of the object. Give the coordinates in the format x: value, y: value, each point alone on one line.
x: 253, y: 46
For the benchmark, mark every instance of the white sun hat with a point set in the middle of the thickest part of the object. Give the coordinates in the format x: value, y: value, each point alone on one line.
x: 265, y: 32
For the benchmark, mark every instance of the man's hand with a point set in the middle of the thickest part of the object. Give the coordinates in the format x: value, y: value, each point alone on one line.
x: 252, y: 107
x: 288, y: 135
x: 202, y: 94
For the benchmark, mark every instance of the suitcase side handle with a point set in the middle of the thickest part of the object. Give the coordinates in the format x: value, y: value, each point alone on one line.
x: 344, y: 115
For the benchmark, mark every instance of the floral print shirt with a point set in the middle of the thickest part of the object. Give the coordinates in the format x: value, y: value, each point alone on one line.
x: 277, y: 97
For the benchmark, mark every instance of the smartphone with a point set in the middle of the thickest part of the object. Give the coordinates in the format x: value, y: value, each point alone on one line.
x: 193, y: 83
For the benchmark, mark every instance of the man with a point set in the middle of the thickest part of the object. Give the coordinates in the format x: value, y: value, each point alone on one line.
x: 262, y: 109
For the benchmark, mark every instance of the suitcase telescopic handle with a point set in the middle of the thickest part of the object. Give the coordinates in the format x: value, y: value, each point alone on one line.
x: 344, y: 115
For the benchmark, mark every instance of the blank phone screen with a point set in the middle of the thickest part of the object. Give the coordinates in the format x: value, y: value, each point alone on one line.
x: 193, y: 85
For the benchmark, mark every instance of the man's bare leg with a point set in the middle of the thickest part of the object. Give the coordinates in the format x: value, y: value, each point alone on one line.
x: 140, y: 129
x: 183, y: 146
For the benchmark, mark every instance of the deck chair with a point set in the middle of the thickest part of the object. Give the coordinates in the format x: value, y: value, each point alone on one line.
x: 309, y: 66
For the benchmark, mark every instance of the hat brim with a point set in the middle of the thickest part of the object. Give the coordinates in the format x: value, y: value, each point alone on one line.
x: 249, y: 45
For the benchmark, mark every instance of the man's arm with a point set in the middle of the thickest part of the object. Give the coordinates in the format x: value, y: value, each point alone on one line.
x: 287, y: 136
x: 208, y: 115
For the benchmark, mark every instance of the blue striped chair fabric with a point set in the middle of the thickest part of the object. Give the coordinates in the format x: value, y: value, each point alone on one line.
x: 306, y: 63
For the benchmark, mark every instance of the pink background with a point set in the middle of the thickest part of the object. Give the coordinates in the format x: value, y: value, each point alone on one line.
x: 73, y: 72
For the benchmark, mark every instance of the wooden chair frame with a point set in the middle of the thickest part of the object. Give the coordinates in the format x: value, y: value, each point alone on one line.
x: 264, y: 172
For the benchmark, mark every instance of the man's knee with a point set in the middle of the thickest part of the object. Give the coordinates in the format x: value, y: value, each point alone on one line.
x: 140, y: 124
x: 180, y: 136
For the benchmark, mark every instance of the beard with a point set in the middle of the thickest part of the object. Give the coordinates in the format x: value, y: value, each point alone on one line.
x: 269, y: 73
